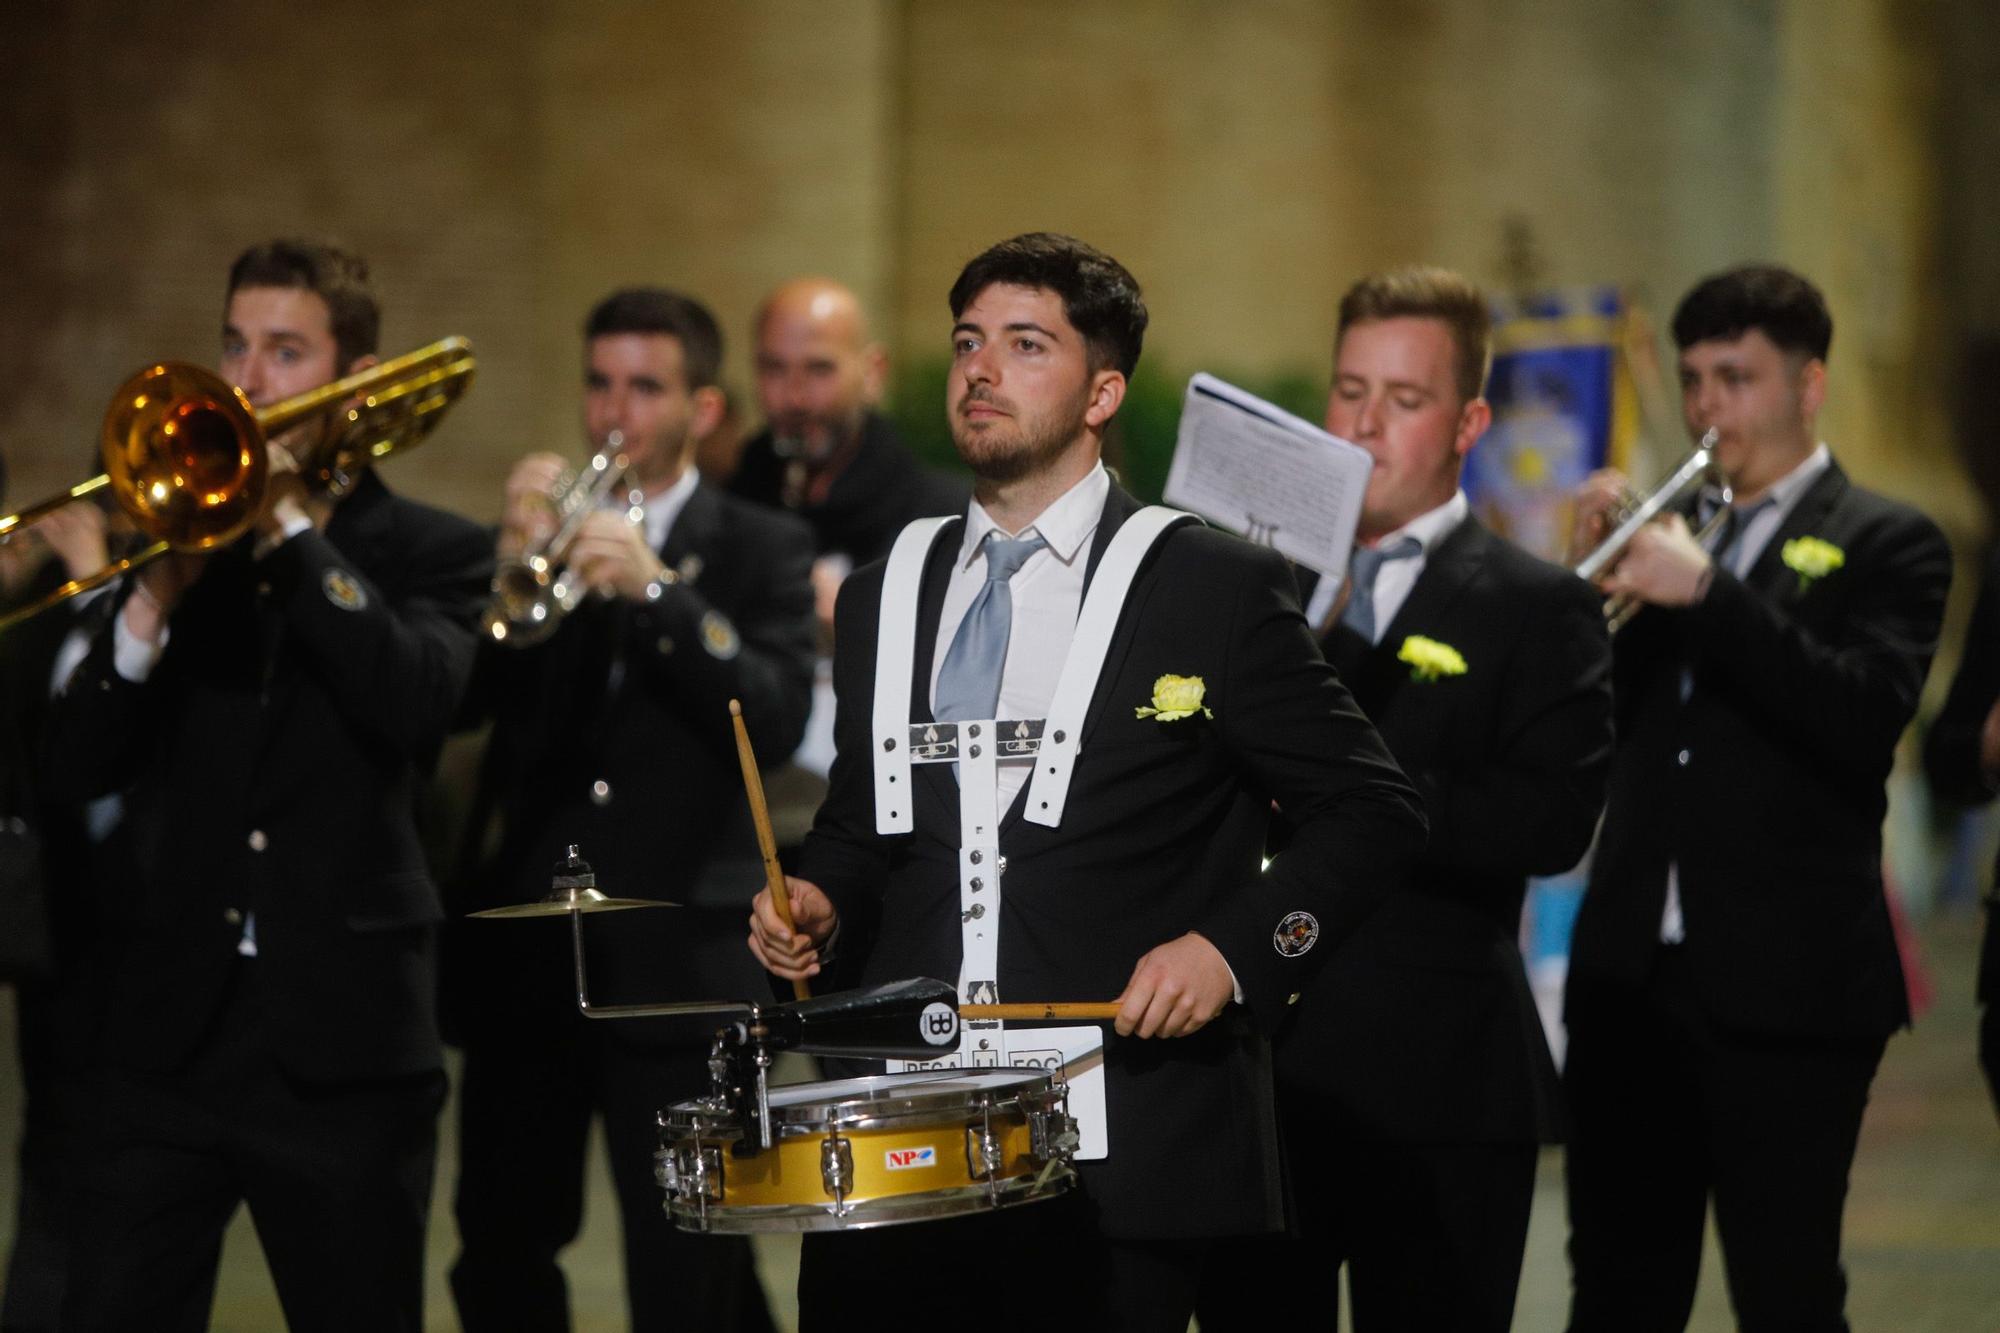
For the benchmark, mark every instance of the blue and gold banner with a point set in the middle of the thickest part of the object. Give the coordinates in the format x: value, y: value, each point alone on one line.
x: 1563, y: 407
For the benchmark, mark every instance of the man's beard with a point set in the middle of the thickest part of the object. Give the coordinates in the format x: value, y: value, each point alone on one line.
x: 814, y: 439
x: 1031, y: 448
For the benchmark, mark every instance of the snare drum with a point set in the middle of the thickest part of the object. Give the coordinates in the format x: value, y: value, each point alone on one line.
x: 869, y: 1152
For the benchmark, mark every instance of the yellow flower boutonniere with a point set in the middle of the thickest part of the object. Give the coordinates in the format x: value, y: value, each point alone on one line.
x: 1810, y: 558
x: 1429, y: 659
x: 1176, y: 697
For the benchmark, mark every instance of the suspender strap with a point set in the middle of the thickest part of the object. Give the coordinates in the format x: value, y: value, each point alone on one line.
x: 1048, y: 789
x: 895, y: 662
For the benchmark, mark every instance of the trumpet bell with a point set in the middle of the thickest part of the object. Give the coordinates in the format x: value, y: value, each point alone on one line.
x: 183, y: 456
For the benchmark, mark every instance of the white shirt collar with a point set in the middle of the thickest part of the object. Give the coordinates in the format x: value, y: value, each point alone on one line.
x: 1432, y: 526
x: 662, y: 509
x: 1787, y: 489
x: 1066, y: 525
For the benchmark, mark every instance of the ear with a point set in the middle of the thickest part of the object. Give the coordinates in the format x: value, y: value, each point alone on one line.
x: 1107, y: 393
x: 874, y: 373
x: 709, y: 405
x: 1473, y: 419
x: 1812, y: 388
x: 361, y: 363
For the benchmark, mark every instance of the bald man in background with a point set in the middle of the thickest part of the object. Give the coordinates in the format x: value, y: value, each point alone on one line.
x: 827, y: 455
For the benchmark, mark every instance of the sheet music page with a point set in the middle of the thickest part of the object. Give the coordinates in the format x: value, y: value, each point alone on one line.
x: 1267, y: 475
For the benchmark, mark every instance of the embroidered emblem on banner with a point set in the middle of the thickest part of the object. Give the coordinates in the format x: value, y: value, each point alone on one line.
x: 344, y: 590
x: 719, y: 636
x: 1296, y: 934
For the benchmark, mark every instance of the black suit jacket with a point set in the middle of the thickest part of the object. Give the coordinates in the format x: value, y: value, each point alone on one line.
x: 1163, y: 833
x: 1422, y: 1027
x: 268, y: 765
x: 874, y: 494
x: 1765, y: 785
x: 1951, y: 750
x: 635, y: 696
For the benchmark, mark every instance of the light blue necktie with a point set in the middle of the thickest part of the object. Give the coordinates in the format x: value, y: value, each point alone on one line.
x: 968, y: 684
x: 1359, y: 614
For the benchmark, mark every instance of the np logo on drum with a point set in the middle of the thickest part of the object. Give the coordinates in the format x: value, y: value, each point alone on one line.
x: 910, y: 1159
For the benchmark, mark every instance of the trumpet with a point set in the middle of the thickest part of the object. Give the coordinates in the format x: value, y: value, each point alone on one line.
x: 184, y: 451
x: 1635, y: 510
x: 531, y: 592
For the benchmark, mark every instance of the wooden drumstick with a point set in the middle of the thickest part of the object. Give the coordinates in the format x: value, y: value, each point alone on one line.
x: 767, y: 843
x: 1049, y: 1009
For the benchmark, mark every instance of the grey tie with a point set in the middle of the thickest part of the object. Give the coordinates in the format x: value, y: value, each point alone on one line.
x: 1727, y: 553
x: 1359, y: 615
x: 1727, y: 550
x: 968, y: 684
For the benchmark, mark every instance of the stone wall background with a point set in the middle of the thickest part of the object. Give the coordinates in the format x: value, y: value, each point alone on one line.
x: 503, y: 169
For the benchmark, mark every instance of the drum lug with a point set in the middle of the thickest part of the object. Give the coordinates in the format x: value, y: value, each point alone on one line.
x: 1052, y: 1135
x: 836, y: 1166
x: 692, y: 1174
x: 982, y: 1152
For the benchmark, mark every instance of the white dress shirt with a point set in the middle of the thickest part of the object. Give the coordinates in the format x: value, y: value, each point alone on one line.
x: 1396, y: 578
x: 1047, y: 594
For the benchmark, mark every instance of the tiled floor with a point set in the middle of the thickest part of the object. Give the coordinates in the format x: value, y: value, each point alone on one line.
x: 1923, y: 1226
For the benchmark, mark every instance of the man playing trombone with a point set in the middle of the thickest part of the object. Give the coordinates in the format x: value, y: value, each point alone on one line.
x: 612, y: 731
x: 1733, y: 978
x: 268, y: 1036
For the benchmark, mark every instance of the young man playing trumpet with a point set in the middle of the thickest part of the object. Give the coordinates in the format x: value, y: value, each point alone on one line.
x: 1414, y: 1080
x: 269, y: 1032
x: 614, y: 734
x: 1733, y: 979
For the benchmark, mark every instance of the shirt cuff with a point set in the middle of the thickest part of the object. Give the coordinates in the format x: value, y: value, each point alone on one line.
x: 294, y: 525
x: 131, y: 656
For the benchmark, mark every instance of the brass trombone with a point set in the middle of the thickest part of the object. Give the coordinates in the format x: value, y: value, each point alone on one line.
x: 184, y: 451
x: 1635, y: 510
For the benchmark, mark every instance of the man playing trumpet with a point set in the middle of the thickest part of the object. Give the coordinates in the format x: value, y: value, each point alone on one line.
x: 1733, y: 979
x: 613, y: 733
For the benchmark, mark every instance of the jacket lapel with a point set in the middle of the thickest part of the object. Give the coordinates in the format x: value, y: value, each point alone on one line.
x: 937, y: 781
x: 1768, y: 576
x: 1448, y: 572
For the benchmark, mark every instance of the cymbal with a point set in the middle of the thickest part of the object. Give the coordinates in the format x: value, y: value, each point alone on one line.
x: 563, y: 902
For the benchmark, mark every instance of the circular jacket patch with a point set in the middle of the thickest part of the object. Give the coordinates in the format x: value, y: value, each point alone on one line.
x: 719, y: 636
x: 344, y: 590
x: 1295, y: 934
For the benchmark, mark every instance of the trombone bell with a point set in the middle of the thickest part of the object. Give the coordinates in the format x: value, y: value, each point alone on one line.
x: 184, y: 451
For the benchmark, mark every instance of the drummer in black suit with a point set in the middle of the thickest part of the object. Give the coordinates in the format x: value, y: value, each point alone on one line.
x: 1133, y: 872
x: 1414, y: 1080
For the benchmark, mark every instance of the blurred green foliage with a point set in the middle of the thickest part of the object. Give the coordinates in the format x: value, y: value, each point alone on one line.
x: 1141, y: 444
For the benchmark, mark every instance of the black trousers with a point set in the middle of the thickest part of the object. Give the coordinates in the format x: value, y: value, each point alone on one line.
x: 1036, y: 1266
x: 1670, y: 1109
x: 526, y: 1101
x: 337, y: 1178
x: 54, y: 1097
x: 1432, y: 1233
